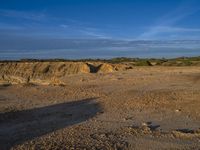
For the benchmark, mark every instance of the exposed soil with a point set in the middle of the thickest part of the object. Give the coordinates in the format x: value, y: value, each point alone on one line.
x: 51, y: 73
x: 140, y: 108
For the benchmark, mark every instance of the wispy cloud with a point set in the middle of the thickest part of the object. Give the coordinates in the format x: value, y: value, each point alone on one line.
x: 93, y: 32
x: 185, y: 9
x: 39, y: 24
x: 155, y: 32
x: 177, y: 29
x: 64, y: 26
x: 167, y: 23
x: 22, y: 14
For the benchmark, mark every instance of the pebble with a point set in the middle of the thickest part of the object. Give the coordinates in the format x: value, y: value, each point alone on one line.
x: 177, y: 110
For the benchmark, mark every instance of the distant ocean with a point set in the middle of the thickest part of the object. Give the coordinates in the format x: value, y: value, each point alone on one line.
x: 99, y: 48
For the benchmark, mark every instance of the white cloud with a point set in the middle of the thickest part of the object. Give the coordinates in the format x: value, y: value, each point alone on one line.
x: 159, y: 30
x: 167, y: 23
x: 93, y: 32
x: 64, y: 26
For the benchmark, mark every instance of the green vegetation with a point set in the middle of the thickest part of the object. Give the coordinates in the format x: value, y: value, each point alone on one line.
x: 181, y: 61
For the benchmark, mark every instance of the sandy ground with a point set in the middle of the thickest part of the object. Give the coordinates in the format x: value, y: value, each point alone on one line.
x: 143, y: 108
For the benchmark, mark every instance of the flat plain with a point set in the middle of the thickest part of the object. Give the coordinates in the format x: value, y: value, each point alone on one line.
x: 139, y: 108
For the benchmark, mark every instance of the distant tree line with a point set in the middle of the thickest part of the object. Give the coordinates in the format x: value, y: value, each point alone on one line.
x: 181, y: 61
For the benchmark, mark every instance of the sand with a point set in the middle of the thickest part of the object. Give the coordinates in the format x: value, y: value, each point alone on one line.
x: 139, y: 108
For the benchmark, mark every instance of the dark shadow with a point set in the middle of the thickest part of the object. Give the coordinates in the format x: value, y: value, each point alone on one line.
x: 93, y: 69
x: 3, y: 86
x: 185, y: 131
x: 20, y: 126
x: 153, y: 127
x: 149, y: 125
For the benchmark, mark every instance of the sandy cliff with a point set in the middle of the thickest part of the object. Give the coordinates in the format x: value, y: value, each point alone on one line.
x: 51, y: 72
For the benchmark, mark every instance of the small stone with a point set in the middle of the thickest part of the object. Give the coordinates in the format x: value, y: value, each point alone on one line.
x: 144, y: 124
x: 177, y: 110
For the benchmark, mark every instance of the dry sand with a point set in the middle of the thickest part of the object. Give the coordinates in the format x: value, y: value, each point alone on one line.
x: 141, y: 108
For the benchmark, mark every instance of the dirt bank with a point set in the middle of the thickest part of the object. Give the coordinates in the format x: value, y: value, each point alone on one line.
x: 47, y: 73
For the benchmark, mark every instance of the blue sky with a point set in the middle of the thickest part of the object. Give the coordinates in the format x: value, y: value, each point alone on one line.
x: 33, y: 21
x: 116, y: 19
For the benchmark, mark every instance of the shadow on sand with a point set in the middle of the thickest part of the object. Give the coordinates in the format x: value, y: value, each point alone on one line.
x: 20, y: 126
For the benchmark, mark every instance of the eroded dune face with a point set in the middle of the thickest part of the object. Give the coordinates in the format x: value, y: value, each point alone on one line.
x: 51, y: 72
x: 39, y: 72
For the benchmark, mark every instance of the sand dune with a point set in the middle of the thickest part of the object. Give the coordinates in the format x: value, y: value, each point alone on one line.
x: 50, y: 72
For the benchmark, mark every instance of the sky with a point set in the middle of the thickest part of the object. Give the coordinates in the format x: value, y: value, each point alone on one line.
x: 76, y: 28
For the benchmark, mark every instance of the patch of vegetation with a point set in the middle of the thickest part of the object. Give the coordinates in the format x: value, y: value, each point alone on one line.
x: 181, y: 61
